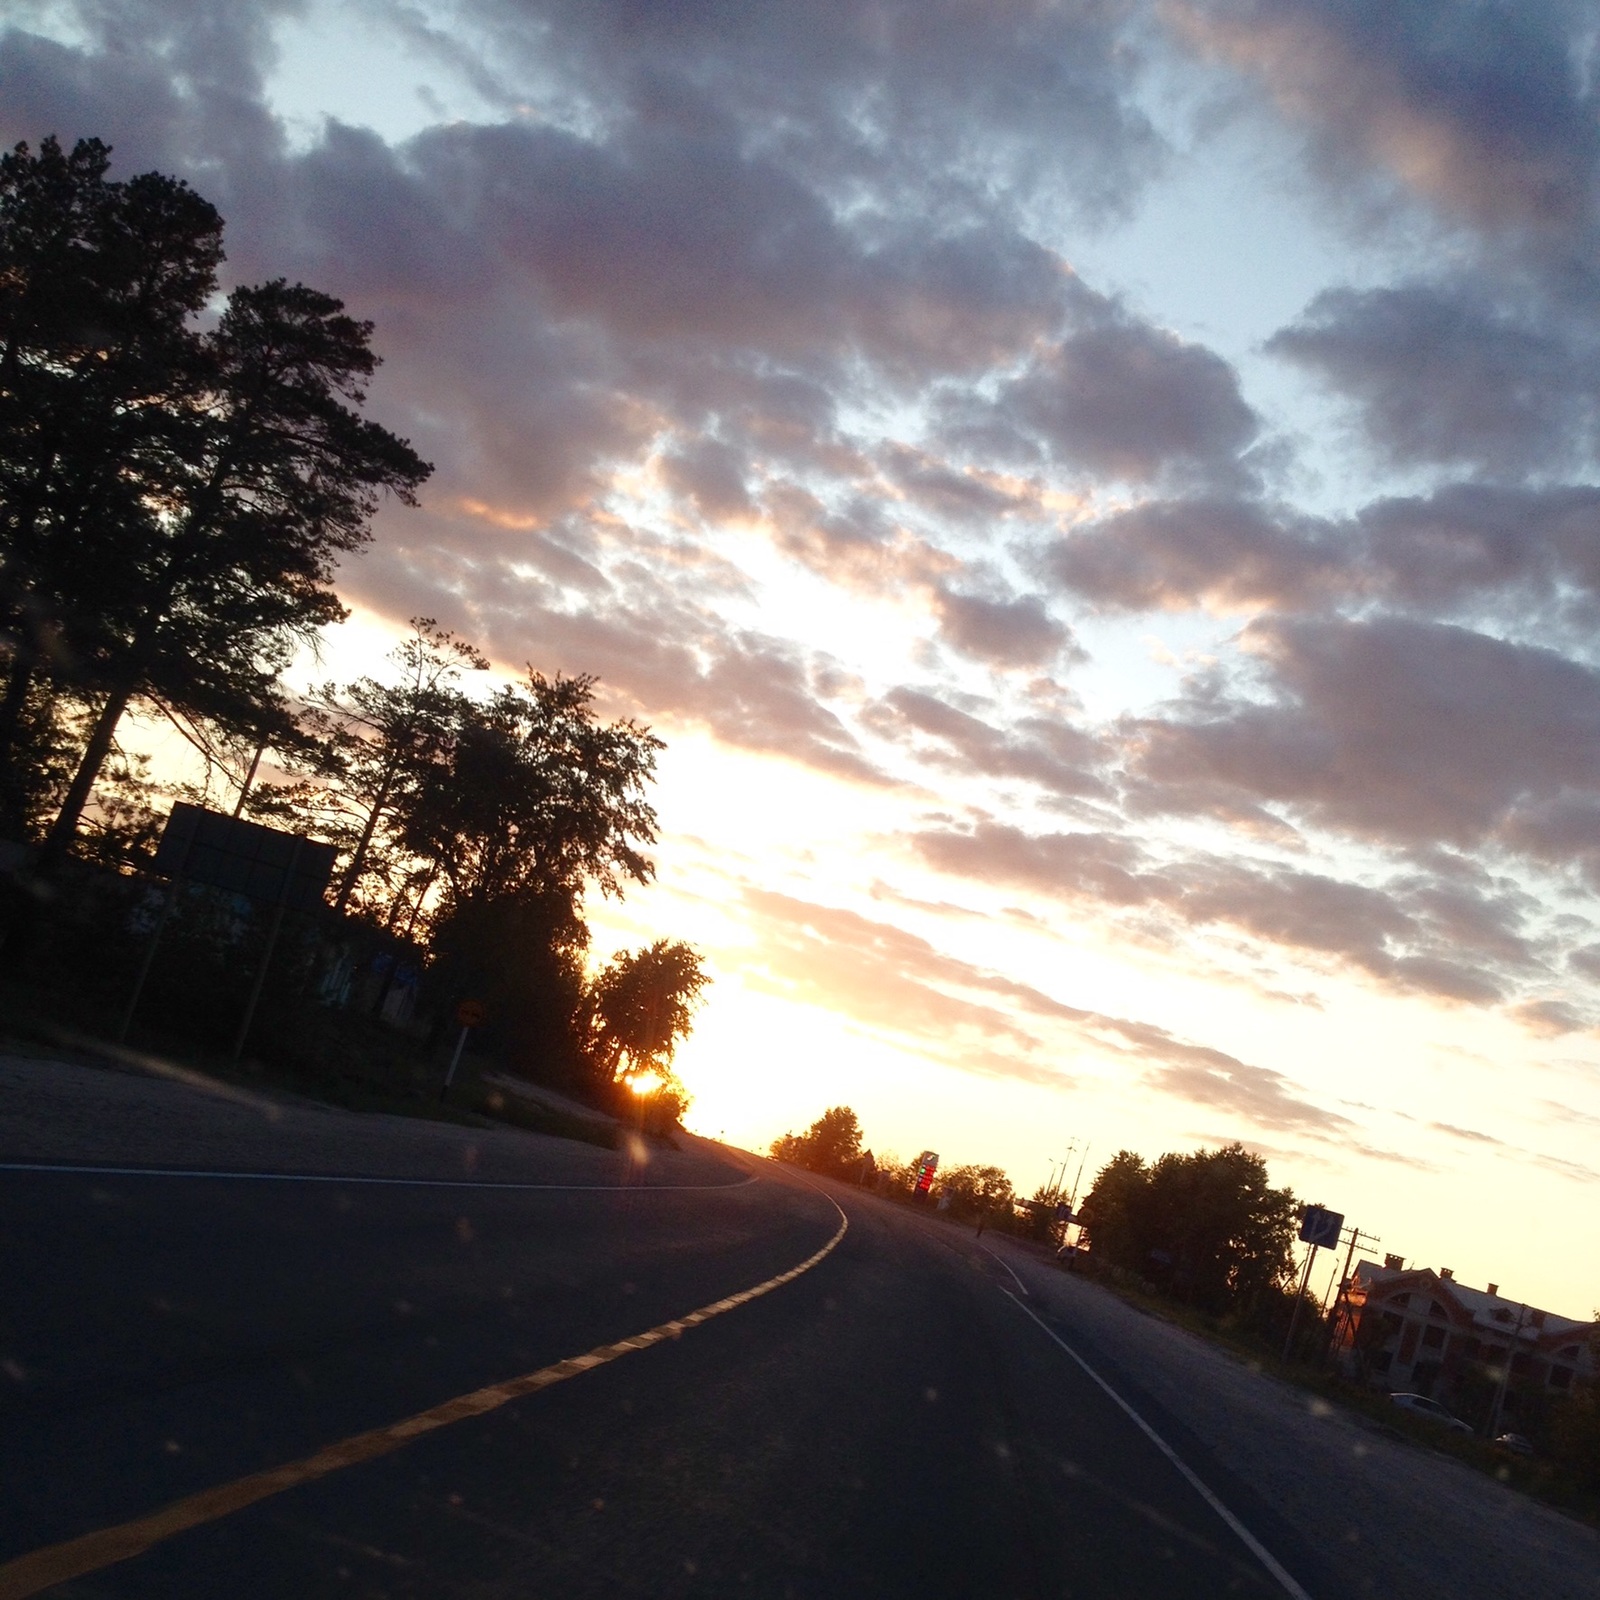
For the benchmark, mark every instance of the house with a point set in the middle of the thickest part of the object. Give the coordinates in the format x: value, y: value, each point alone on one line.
x: 1420, y: 1331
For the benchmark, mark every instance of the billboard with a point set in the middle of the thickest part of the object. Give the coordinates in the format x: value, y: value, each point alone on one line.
x: 247, y: 858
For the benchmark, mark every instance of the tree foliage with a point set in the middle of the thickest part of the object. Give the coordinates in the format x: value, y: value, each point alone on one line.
x: 376, y: 740
x: 1209, y: 1224
x: 176, y: 497
x: 532, y: 793
x: 976, y: 1191
x: 831, y: 1145
x: 642, y: 1005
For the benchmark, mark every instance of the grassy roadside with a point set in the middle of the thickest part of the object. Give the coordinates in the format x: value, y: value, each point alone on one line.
x: 361, y: 1066
x: 1537, y: 1477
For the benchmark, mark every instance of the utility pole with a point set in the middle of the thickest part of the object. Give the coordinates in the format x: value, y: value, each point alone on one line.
x: 249, y: 778
x: 1073, y: 1202
x: 1061, y: 1177
x: 1356, y: 1237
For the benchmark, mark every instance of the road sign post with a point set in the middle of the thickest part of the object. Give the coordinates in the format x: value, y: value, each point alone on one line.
x: 470, y: 1014
x: 1319, y: 1227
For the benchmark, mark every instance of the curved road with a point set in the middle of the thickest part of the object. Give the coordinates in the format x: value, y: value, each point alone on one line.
x: 893, y: 1421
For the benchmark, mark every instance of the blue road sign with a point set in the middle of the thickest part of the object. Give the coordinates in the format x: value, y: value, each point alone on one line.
x: 1320, y: 1227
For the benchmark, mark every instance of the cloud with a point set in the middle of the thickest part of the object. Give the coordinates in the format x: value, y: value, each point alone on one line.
x: 1016, y: 632
x: 1224, y: 554
x: 1462, y: 548
x: 1051, y: 752
x: 1415, y: 932
x: 893, y: 980
x: 1485, y: 111
x: 1442, y: 376
x: 1391, y: 729
x: 1116, y: 397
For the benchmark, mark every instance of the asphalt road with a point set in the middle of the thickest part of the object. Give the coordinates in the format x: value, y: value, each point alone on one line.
x: 891, y: 1422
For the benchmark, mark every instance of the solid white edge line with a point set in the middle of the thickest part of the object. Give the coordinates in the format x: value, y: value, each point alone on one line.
x: 1007, y: 1265
x: 330, y: 1177
x: 1253, y: 1544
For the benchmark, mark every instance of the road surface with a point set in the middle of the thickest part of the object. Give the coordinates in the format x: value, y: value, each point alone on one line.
x: 888, y: 1423
x: 899, y: 1410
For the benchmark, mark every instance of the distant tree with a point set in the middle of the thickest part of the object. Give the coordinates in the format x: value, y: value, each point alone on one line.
x: 642, y: 1005
x: 831, y: 1145
x: 1208, y: 1224
x: 976, y: 1191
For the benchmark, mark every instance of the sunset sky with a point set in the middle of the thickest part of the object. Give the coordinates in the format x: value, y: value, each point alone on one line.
x: 1100, y: 500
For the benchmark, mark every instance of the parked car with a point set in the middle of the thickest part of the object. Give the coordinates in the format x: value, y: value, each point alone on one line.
x: 1419, y: 1405
x: 1515, y: 1444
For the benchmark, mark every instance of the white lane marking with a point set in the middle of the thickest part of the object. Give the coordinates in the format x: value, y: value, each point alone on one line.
x: 329, y: 1177
x: 1253, y: 1544
x: 1007, y: 1265
x: 92, y: 1552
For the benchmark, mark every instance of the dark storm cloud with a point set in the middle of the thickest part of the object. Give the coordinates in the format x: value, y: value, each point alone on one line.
x: 1486, y: 110
x: 1440, y: 375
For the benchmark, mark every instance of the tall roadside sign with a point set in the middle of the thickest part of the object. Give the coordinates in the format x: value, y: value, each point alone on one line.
x: 1319, y: 1228
x: 285, y: 871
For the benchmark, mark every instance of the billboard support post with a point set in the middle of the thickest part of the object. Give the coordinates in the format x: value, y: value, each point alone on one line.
x: 174, y: 889
x: 266, y: 955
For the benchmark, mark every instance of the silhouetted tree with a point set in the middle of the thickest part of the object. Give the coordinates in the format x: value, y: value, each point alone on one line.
x: 532, y: 793
x: 975, y: 1191
x: 98, y: 366
x: 1209, y: 1225
x: 269, y: 477
x: 831, y: 1145
x: 642, y: 1005
x: 376, y: 740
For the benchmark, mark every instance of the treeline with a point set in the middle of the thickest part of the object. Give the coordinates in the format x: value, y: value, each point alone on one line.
x: 180, y: 474
x: 833, y: 1146
x: 1206, y: 1228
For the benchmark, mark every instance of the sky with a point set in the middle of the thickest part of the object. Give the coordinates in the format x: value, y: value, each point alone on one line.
x: 1099, y: 498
